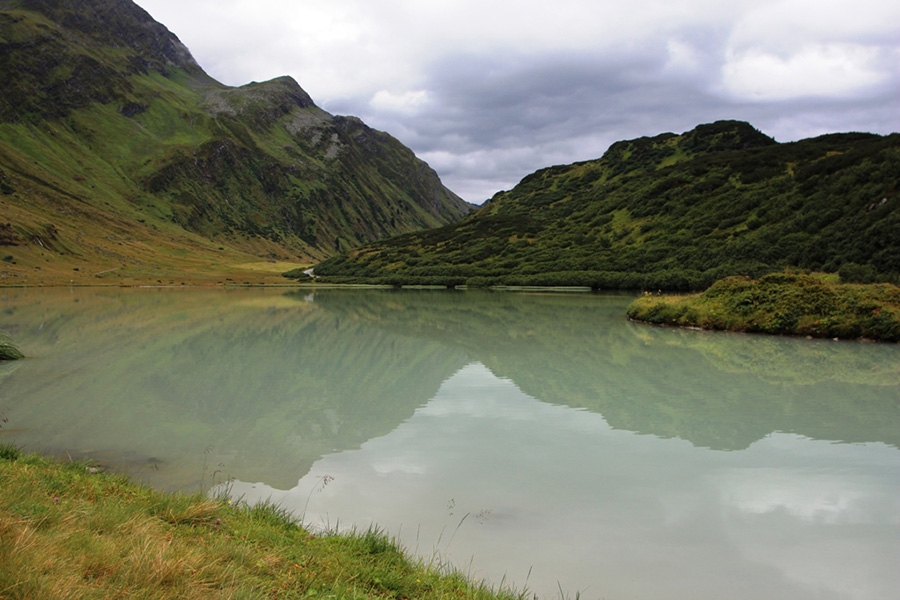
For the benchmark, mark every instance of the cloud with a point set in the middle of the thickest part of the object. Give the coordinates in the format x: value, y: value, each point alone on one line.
x: 406, y: 102
x: 488, y: 92
x: 835, y: 71
x: 826, y: 48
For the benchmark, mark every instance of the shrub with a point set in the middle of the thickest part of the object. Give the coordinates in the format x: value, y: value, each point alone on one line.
x: 782, y: 303
x: 855, y: 273
x: 298, y: 273
x: 9, y: 452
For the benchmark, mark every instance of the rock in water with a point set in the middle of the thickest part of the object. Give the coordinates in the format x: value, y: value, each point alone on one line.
x: 8, y: 350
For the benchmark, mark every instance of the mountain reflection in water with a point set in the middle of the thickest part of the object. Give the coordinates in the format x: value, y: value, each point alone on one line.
x: 518, y: 490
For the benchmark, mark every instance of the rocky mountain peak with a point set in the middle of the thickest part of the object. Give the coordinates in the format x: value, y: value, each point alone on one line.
x: 118, y: 23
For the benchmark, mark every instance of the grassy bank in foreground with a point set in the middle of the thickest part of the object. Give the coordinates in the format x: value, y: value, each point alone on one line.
x: 68, y: 532
x: 782, y: 303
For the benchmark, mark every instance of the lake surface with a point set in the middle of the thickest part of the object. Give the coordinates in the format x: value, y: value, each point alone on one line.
x: 539, y: 440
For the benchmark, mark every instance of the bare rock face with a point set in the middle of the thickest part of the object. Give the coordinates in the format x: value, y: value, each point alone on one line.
x: 120, y: 25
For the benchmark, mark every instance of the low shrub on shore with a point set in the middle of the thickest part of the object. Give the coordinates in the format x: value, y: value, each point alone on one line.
x: 782, y: 303
x: 67, y: 531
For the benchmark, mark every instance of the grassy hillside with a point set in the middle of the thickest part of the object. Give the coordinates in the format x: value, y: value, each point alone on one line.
x: 672, y: 212
x: 119, y: 155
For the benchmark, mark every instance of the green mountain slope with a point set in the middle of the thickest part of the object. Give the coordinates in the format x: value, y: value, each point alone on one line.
x: 673, y: 212
x: 110, y: 129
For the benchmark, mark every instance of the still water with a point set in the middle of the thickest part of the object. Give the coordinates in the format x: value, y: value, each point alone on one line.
x: 541, y: 441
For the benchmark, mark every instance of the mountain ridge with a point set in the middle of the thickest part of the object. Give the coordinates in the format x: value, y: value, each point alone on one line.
x: 107, y: 119
x: 673, y: 212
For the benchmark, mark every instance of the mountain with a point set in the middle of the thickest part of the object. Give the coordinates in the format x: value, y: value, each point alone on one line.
x: 119, y: 154
x: 672, y: 212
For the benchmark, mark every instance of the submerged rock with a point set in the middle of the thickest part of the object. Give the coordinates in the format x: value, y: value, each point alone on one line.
x: 8, y: 350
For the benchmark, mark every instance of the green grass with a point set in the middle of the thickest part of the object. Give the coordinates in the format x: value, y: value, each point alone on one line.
x: 67, y: 531
x: 782, y: 303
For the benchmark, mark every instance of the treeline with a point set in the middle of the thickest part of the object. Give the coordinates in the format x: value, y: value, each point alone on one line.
x: 596, y: 280
x: 674, y: 212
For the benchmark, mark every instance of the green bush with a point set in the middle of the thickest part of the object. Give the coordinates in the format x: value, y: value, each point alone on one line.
x: 782, y: 303
x: 854, y: 273
x: 298, y: 273
x: 9, y: 452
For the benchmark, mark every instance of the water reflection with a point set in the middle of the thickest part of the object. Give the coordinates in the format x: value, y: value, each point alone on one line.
x: 517, y: 489
x: 505, y: 432
x: 722, y: 391
x: 183, y: 388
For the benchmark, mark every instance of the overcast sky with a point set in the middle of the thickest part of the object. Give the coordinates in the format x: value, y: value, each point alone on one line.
x: 487, y: 91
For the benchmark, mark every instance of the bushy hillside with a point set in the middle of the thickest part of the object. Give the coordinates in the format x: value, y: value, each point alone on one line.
x: 673, y: 212
x: 111, y: 132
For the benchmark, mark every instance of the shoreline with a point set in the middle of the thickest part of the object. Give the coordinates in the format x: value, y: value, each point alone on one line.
x: 781, y: 304
x: 71, y: 526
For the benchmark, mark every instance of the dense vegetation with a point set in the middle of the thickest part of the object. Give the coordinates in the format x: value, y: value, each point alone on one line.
x: 782, y: 303
x: 674, y: 212
x: 67, y: 531
x: 111, y: 135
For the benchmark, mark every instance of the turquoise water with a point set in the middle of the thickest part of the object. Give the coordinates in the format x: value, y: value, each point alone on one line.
x: 542, y: 441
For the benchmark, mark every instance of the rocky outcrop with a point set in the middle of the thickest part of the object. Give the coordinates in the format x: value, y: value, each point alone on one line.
x: 8, y: 350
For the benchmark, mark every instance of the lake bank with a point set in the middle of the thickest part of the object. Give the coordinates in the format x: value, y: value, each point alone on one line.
x: 69, y: 531
x: 781, y: 304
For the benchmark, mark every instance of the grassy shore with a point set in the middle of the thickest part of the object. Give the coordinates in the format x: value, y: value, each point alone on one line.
x: 782, y: 303
x: 68, y: 531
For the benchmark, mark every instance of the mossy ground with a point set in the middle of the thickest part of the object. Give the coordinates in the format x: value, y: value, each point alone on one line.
x: 782, y: 303
x: 67, y: 531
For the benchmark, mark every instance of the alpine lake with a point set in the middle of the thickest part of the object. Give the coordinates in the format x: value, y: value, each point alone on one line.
x: 534, y: 440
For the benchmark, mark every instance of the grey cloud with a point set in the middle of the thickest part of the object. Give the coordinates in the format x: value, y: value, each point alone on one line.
x: 540, y: 111
x: 518, y: 114
x: 516, y: 100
